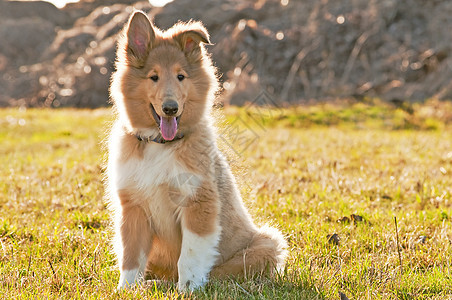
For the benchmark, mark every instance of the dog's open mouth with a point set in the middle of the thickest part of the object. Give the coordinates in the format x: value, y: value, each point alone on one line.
x: 167, y: 125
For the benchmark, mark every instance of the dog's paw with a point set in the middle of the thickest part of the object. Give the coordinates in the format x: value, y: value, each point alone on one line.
x: 128, y: 279
x: 190, y: 285
x: 124, y: 285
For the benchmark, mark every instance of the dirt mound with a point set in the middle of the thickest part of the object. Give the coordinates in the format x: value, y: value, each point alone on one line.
x: 51, y: 57
x: 295, y: 50
x: 397, y: 50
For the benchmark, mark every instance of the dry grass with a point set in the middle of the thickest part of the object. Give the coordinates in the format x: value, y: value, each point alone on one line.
x: 373, y: 161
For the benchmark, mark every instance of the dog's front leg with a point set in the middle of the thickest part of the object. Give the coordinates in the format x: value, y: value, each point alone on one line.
x: 134, y: 242
x: 200, y: 237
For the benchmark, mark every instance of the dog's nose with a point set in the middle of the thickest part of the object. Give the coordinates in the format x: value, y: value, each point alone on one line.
x: 170, y: 107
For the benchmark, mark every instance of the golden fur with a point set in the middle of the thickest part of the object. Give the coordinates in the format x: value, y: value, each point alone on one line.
x: 152, y: 212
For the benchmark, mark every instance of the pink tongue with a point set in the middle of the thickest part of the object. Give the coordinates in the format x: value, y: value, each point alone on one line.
x: 168, y: 127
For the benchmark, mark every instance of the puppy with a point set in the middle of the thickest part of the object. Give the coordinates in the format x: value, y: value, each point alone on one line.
x: 178, y: 212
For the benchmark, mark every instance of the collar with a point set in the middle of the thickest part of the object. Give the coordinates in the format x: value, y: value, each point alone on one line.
x: 159, y: 139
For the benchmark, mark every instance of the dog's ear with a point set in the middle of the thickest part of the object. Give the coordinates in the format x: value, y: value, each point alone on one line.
x: 140, y: 37
x: 191, y: 38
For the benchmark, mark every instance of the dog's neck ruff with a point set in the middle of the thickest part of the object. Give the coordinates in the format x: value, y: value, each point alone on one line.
x: 159, y: 139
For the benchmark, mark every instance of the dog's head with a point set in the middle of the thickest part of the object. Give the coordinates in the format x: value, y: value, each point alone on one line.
x: 164, y: 80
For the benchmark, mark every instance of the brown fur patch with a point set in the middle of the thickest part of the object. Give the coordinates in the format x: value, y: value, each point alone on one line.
x: 131, y: 147
x: 133, y: 220
x: 163, y: 260
x: 201, y: 214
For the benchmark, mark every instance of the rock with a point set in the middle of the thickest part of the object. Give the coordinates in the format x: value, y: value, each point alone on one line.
x: 342, y: 296
x: 333, y: 239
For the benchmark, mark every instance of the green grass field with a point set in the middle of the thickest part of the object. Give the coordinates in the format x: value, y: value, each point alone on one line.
x: 331, y: 177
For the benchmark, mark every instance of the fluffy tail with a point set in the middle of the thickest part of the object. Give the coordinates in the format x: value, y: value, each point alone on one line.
x: 266, y: 254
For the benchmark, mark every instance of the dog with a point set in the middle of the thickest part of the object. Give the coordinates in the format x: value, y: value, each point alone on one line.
x: 178, y: 214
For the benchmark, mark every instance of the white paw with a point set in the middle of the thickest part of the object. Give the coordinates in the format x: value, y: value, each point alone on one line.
x: 198, y: 255
x: 129, y: 278
x: 191, y: 284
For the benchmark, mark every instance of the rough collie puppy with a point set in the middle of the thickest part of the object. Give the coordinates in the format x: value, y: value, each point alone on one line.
x: 178, y: 212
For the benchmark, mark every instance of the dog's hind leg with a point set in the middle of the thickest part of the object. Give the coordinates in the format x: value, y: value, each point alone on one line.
x: 265, y: 254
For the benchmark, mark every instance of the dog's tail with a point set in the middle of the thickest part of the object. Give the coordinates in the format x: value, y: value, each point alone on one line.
x: 266, y: 255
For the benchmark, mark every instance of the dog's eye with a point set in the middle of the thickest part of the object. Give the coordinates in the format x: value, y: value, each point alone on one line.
x: 180, y: 77
x: 154, y: 78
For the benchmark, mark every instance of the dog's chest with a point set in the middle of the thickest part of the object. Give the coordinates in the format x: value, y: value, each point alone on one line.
x: 158, y: 173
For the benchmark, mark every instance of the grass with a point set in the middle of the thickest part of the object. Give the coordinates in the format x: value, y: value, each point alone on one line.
x: 314, y: 171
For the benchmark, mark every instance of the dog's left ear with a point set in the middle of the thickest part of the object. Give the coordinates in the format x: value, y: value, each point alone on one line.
x: 190, y: 40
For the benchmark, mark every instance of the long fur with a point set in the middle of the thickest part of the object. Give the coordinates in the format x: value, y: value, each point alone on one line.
x: 177, y: 211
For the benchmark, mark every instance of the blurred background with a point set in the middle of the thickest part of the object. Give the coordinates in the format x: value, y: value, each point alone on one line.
x: 61, y: 53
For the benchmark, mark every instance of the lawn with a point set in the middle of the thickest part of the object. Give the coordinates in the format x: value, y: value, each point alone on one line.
x: 335, y: 178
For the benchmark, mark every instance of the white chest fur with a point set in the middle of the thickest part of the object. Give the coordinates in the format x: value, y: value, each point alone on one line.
x: 158, y: 167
